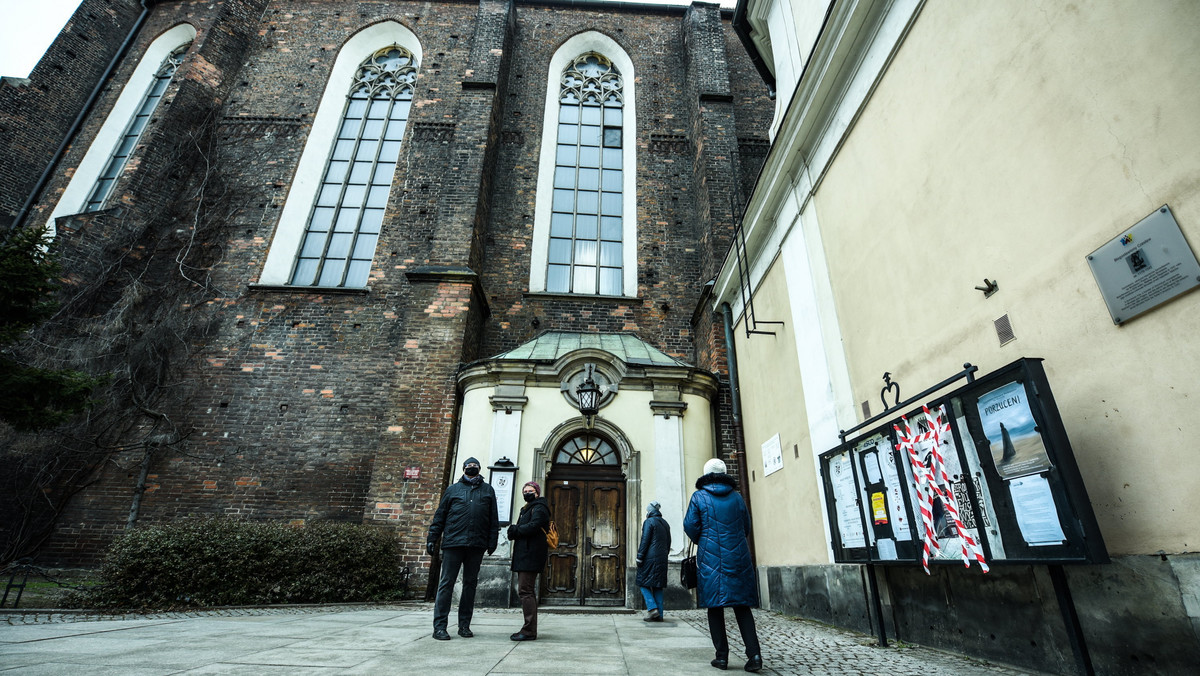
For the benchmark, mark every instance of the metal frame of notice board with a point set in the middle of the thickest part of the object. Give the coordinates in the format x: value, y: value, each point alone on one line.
x: 1012, y: 474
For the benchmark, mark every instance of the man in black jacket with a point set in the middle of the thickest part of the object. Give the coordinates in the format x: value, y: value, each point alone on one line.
x: 467, y: 523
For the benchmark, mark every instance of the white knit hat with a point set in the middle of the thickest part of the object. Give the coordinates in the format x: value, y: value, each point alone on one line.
x: 714, y: 466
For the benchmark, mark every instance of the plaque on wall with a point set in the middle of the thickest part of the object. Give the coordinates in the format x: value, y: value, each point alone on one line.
x: 1145, y: 266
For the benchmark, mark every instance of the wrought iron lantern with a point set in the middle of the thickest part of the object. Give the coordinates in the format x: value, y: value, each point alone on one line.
x: 588, y: 396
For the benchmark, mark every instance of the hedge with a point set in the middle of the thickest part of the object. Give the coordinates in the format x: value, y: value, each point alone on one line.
x: 225, y: 562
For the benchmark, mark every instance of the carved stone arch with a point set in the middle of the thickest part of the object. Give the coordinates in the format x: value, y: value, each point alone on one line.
x: 543, y: 455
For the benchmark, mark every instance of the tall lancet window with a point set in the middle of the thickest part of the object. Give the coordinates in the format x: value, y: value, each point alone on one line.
x: 585, y: 253
x: 116, y: 161
x: 343, y: 227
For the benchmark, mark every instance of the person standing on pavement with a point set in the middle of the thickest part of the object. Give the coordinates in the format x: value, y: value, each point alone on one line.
x: 529, y: 551
x: 718, y: 522
x: 652, y: 561
x: 468, y: 524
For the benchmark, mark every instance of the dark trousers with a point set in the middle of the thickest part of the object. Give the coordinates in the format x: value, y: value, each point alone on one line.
x: 745, y: 621
x: 526, y: 590
x: 469, y: 560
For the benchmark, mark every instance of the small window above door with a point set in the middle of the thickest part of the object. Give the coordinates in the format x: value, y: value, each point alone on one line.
x: 587, y: 449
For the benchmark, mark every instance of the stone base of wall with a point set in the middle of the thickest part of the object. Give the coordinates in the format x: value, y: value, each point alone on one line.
x: 1139, y: 614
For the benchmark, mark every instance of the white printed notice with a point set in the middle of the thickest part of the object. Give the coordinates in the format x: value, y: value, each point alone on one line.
x: 1037, y: 518
x: 849, y: 519
x: 895, y: 491
x: 772, y: 454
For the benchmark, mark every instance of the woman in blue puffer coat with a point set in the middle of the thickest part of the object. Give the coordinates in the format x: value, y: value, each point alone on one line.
x: 718, y: 522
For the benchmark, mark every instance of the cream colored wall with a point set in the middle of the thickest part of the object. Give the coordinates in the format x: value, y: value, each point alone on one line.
x: 787, y: 505
x: 1065, y: 125
x: 698, y: 442
x: 475, y: 440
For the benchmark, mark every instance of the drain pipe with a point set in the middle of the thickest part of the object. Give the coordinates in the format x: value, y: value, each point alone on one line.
x: 739, y: 437
x: 83, y: 113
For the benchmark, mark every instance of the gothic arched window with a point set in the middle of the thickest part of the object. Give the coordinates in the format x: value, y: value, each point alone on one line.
x: 586, y: 229
x: 124, y: 148
x: 586, y: 449
x: 347, y: 215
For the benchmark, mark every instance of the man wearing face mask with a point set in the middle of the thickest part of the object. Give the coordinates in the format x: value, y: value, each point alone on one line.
x: 528, y: 536
x: 467, y: 523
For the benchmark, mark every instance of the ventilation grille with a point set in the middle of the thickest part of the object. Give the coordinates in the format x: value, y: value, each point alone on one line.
x: 866, y: 407
x: 1004, y: 330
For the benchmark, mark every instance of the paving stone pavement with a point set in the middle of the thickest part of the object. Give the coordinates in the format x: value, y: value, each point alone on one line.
x: 395, y: 639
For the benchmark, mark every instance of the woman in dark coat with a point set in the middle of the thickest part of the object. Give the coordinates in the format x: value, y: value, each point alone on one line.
x: 718, y: 522
x: 528, y: 536
x: 652, y: 561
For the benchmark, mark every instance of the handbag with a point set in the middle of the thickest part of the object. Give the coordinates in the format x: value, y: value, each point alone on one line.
x: 552, y: 536
x: 687, y: 569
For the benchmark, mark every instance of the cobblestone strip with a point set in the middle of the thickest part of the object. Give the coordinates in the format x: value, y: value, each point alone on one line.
x: 796, y: 646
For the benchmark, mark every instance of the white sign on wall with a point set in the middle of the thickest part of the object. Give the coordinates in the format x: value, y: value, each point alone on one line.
x: 772, y: 454
x: 502, y: 484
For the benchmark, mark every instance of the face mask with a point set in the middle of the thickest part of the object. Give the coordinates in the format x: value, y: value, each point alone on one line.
x: 471, y: 471
x: 529, y: 497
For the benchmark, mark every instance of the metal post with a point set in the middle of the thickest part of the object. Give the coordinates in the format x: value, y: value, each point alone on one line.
x: 877, y: 604
x: 1071, y: 619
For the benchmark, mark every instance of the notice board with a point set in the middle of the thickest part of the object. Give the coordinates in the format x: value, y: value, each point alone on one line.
x: 1009, y: 470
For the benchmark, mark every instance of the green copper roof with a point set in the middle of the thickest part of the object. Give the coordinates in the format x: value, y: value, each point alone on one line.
x: 625, y: 346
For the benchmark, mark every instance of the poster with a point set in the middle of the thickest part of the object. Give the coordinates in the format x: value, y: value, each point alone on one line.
x: 949, y: 543
x: 895, y: 489
x: 849, y: 520
x: 1015, y: 441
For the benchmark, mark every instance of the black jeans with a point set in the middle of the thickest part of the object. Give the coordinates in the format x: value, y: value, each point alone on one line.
x: 745, y: 621
x: 469, y: 559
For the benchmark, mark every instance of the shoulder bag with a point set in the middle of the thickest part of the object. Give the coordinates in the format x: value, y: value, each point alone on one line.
x: 687, y: 569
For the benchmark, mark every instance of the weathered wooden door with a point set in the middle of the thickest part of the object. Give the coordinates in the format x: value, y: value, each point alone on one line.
x: 588, y: 566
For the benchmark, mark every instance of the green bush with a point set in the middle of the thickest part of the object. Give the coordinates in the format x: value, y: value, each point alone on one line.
x: 223, y: 562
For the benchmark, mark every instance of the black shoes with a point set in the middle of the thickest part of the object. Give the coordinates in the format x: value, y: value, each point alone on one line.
x: 754, y: 663
x: 653, y: 616
x: 441, y: 635
x: 465, y: 632
x: 522, y: 637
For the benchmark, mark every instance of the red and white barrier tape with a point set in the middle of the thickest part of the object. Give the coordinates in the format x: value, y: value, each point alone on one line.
x: 933, y: 481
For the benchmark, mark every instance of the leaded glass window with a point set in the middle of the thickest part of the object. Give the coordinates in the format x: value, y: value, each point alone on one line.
x: 587, y: 449
x: 116, y: 162
x: 343, y: 228
x: 585, y: 223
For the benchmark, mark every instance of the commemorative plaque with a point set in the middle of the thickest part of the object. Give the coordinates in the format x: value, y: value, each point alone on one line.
x: 1145, y: 266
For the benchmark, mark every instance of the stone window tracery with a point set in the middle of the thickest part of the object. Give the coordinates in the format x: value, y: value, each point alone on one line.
x: 347, y: 215
x: 124, y: 148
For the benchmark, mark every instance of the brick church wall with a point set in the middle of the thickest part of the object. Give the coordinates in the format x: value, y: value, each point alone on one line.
x: 306, y: 405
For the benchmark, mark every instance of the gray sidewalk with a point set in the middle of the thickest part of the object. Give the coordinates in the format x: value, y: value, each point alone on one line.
x: 397, y: 640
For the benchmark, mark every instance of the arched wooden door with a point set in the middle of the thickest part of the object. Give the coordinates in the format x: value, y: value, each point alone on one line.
x: 586, y: 492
